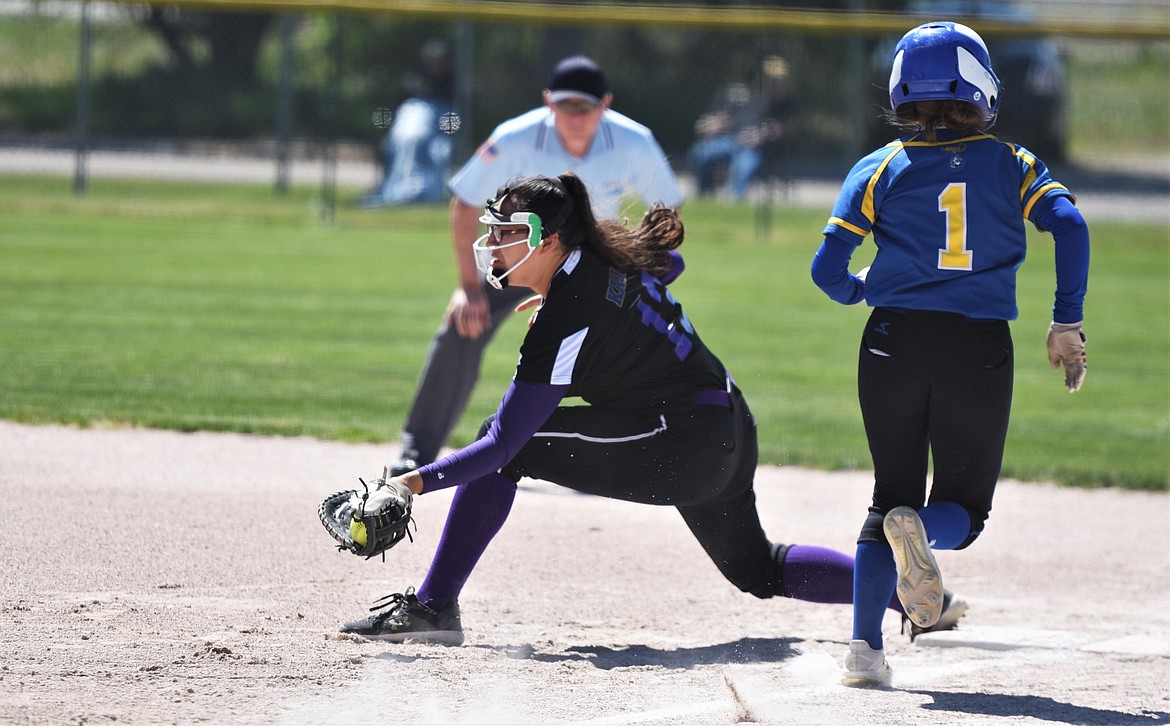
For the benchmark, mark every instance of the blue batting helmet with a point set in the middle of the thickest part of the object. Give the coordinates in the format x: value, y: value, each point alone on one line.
x: 944, y: 61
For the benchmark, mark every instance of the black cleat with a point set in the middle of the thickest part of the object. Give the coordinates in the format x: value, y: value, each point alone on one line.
x: 405, y: 618
x: 406, y: 463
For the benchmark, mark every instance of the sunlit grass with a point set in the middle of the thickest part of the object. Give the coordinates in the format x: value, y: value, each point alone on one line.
x: 188, y: 306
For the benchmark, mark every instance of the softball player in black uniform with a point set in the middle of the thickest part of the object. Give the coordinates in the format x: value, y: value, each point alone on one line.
x: 946, y: 205
x: 665, y: 423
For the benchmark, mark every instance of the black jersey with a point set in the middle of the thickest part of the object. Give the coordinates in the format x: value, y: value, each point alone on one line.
x: 617, y: 339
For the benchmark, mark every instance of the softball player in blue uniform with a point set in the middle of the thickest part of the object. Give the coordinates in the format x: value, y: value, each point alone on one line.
x: 946, y: 206
x: 665, y: 423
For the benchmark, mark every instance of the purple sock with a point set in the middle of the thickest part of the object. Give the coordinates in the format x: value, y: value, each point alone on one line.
x: 477, y: 512
x: 819, y: 574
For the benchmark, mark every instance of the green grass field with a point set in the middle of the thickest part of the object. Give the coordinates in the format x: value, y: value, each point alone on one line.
x: 200, y: 307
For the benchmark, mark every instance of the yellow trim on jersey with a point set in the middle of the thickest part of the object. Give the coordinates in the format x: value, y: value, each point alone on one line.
x: 851, y: 227
x: 867, y: 200
x: 976, y: 137
x: 897, y: 146
x: 1031, y: 175
x: 1039, y: 193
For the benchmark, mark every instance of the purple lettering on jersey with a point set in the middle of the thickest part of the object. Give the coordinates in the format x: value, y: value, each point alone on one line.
x: 651, y: 283
x: 652, y: 319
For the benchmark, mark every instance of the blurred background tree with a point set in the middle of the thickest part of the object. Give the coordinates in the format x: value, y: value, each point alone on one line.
x: 181, y: 74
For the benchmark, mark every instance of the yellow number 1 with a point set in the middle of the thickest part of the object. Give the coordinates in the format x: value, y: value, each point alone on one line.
x: 953, y: 203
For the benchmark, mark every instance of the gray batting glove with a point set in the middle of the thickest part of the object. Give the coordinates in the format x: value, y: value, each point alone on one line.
x: 1066, y: 346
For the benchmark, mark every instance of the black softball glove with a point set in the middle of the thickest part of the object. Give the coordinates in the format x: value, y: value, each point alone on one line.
x: 370, y: 521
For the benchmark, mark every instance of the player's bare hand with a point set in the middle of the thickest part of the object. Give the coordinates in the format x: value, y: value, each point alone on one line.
x: 529, y: 304
x: 469, y: 312
x: 1066, y: 347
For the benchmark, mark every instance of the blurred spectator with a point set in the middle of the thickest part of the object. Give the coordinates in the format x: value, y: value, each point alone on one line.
x: 415, y: 152
x: 742, y: 131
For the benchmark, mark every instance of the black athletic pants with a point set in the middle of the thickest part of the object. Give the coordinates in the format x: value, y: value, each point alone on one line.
x: 934, y: 384
x: 700, y: 459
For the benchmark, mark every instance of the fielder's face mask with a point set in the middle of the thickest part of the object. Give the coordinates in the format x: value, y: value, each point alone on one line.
x: 504, y: 230
x: 509, y: 230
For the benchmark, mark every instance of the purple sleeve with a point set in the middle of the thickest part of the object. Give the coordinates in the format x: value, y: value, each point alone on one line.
x: 1058, y: 215
x: 677, y: 265
x: 525, y: 407
x: 830, y: 271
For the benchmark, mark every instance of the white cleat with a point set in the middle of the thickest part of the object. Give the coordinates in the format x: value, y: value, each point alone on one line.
x: 865, y: 667
x: 920, y: 587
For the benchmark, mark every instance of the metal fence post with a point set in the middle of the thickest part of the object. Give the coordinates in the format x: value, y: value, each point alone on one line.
x: 82, y: 118
x: 465, y: 89
x: 856, y: 66
x: 331, y: 111
x: 284, y: 102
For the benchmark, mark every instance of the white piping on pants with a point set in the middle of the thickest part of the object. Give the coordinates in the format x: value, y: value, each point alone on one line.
x: 601, y: 440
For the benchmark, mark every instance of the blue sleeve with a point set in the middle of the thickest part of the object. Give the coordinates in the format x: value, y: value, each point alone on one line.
x: 830, y: 271
x: 1058, y: 215
x: 525, y: 407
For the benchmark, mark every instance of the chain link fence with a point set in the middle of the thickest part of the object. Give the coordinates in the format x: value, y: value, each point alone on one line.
x: 328, y: 82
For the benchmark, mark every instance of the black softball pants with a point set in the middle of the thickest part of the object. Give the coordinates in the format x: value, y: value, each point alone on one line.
x: 935, y: 385
x: 700, y: 459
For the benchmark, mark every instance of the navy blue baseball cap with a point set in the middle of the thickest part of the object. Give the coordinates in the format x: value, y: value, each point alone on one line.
x: 578, y: 77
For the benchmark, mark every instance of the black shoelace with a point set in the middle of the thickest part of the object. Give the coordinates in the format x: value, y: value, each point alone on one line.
x: 394, y: 601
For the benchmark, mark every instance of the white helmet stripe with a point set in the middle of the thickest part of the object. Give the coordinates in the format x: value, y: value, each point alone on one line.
x: 896, y: 71
x: 973, y: 72
x: 970, y: 33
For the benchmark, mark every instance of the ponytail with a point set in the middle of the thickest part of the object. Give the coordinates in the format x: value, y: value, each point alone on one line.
x: 563, y: 205
x: 645, y: 248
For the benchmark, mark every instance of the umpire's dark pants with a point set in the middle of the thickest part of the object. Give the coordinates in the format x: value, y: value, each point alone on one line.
x: 700, y: 459
x: 933, y: 383
x: 448, y: 377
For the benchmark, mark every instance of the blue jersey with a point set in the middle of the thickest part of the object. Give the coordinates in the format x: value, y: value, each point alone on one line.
x: 948, y: 221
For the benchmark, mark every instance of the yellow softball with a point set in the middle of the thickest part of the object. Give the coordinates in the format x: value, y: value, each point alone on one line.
x: 357, y: 531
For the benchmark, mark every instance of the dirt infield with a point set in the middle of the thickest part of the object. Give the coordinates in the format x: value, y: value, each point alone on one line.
x: 159, y: 577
